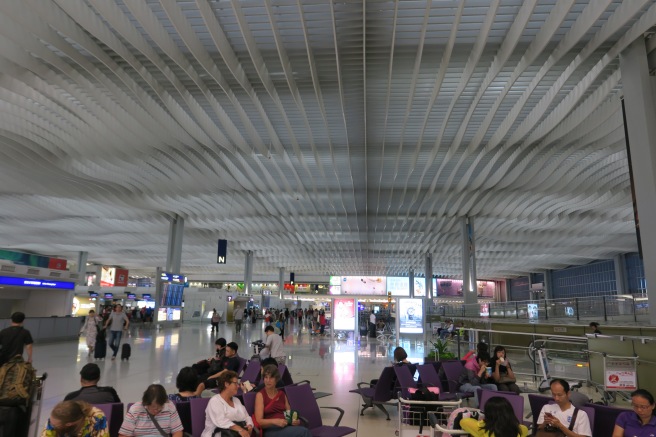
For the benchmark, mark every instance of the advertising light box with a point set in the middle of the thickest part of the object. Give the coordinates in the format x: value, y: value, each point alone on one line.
x: 411, y: 316
x: 400, y: 286
x: 36, y: 283
x: 344, y: 319
x: 364, y: 285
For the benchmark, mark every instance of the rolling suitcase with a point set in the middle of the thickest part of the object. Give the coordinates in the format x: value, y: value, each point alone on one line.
x: 126, y: 351
x: 100, y: 349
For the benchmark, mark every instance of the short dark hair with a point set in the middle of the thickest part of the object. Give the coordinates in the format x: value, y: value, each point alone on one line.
x: 400, y: 354
x: 269, y: 328
x: 269, y: 361
x: 220, y: 342
x: 484, y: 356
x: 642, y: 393
x: 232, y: 345
x: 562, y: 382
x: 187, y: 379
x: 90, y: 372
x: 17, y: 317
x: 154, y: 393
x: 594, y: 324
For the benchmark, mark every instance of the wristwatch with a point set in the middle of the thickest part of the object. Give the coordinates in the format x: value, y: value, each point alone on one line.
x: 411, y: 313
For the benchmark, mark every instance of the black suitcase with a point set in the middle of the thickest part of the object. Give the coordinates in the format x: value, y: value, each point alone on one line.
x: 126, y: 351
x: 13, y: 421
x: 100, y: 349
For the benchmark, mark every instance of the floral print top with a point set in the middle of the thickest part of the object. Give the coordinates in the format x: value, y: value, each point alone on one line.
x: 95, y: 425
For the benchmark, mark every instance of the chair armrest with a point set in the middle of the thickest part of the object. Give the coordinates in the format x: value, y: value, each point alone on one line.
x: 305, y: 381
x: 432, y: 418
x: 304, y: 422
x: 341, y: 414
x: 360, y: 384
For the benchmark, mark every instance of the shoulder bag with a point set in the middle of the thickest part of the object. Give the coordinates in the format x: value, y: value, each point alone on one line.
x: 553, y: 432
x: 159, y: 428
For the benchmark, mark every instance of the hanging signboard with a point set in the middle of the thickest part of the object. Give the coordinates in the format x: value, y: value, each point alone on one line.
x: 620, y: 374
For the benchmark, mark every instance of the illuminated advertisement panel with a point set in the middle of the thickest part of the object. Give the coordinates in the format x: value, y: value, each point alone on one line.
x: 364, y: 285
x: 453, y: 287
x: 398, y: 286
x: 107, y: 276
x: 344, y: 319
x: 411, y: 316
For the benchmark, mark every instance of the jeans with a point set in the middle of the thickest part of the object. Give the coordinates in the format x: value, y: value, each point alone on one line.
x: 468, y: 388
x: 238, y: 325
x: 115, y: 342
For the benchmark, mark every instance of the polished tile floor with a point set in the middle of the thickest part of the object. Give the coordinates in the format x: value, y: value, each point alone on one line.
x: 333, y: 366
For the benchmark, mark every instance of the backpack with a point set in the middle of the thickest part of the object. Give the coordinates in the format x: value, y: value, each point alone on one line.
x: 419, y: 413
x: 16, y: 382
x: 462, y: 413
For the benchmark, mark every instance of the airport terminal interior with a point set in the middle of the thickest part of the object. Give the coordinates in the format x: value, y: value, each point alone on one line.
x: 480, y: 166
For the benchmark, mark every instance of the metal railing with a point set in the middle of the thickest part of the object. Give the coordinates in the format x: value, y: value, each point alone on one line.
x: 625, y: 308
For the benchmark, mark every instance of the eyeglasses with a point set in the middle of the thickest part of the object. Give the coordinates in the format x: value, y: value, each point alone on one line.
x: 642, y: 407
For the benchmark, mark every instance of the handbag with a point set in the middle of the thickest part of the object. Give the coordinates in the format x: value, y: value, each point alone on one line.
x: 255, y: 422
x: 159, y: 428
x: 505, y: 379
x: 227, y: 432
x: 554, y: 432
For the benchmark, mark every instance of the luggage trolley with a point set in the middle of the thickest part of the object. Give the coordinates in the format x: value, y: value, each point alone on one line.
x: 413, y: 416
x: 620, y: 377
x: 34, y: 408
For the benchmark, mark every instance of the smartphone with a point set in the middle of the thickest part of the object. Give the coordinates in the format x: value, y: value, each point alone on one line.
x: 248, y: 386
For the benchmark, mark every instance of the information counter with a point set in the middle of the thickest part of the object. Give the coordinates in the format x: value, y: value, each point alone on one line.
x: 45, y: 329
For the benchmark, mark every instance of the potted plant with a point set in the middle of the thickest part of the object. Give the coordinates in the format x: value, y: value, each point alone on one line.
x: 440, y: 350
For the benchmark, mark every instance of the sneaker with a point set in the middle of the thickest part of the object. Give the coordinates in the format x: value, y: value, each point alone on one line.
x: 113, y: 357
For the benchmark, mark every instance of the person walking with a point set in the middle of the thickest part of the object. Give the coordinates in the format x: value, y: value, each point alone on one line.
x: 90, y: 329
x: 14, y: 339
x: 116, y: 319
x: 238, y: 316
x: 216, y: 318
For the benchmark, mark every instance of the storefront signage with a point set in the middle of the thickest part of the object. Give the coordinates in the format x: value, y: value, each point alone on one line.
x: 411, y: 316
x: 109, y: 296
x: 36, y: 283
x: 146, y: 296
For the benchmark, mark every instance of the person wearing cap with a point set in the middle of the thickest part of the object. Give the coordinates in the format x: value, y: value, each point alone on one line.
x: 90, y: 391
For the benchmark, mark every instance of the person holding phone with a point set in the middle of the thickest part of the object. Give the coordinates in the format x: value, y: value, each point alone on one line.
x: 475, y: 375
x: 502, y: 372
x: 563, y: 418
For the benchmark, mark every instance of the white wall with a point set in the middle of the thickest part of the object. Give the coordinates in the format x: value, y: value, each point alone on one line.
x: 194, y: 298
x: 45, y: 303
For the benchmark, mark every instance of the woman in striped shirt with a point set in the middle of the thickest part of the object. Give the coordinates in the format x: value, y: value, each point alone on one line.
x: 154, y: 416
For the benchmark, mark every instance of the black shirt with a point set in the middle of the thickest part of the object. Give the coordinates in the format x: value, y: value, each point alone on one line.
x: 13, y: 340
x: 94, y: 395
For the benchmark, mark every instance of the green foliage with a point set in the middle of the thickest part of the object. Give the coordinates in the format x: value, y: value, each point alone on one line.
x: 441, y: 350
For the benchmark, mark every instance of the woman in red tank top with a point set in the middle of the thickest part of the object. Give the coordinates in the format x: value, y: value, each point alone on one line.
x: 270, y: 407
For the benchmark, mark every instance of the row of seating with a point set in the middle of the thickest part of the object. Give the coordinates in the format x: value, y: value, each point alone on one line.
x: 301, y: 397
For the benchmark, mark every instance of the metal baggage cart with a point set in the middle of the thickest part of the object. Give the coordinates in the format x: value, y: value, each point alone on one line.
x: 412, y: 413
x: 34, y: 408
x: 438, y: 426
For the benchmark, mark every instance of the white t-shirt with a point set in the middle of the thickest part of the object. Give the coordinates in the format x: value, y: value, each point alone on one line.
x: 582, y: 424
x: 273, y: 343
x: 372, y: 318
x: 219, y: 414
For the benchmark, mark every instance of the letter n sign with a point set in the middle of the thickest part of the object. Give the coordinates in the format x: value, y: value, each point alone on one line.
x: 223, y: 252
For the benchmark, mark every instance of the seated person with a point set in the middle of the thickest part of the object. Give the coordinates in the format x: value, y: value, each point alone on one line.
x: 480, y: 348
x: 259, y: 381
x: 90, y: 392
x: 270, y: 406
x: 502, y: 373
x: 154, y: 406
x: 187, y: 385
x: 500, y: 420
x: 475, y: 376
x: 230, y: 361
x: 560, y: 416
x: 76, y: 418
x: 447, y: 331
x: 400, y: 356
x: 225, y: 411
x: 210, y: 366
x: 640, y: 422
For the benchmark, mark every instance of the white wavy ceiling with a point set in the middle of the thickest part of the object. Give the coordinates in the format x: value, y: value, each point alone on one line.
x: 327, y: 137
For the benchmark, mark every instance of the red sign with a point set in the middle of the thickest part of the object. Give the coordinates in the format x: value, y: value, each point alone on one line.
x: 121, y: 278
x: 57, y: 264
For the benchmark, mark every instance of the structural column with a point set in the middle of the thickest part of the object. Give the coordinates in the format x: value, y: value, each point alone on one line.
x: 82, y: 258
x: 548, y: 284
x: 248, y: 272
x: 429, y: 276
x: 469, y: 289
x: 281, y: 281
x: 411, y: 280
x: 174, y: 250
x: 620, y: 274
x: 640, y: 115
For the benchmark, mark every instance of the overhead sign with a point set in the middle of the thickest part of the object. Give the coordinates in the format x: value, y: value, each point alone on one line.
x: 36, y: 283
x: 176, y: 279
x: 222, y: 252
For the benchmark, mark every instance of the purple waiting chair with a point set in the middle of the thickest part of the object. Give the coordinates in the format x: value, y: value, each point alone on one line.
x: 114, y: 414
x: 604, y: 418
x: 377, y: 395
x: 516, y: 401
x: 302, y: 399
x: 198, y: 406
x: 453, y: 370
x: 404, y: 380
x: 249, y: 402
x: 251, y: 372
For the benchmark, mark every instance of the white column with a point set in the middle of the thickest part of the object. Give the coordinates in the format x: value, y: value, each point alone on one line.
x: 640, y: 115
x: 281, y: 281
x: 428, y: 273
x: 411, y: 280
x: 469, y: 289
x: 620, y: 274
x: 174, y: 249
x: 82, y: 258
x: 248, y: 272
